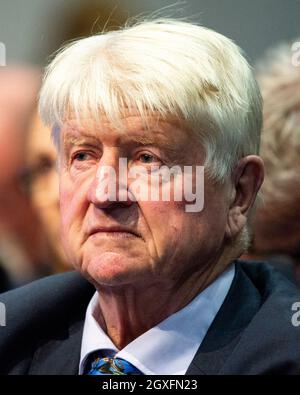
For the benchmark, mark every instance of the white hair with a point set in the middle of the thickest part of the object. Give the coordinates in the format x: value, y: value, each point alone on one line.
x: 168, y: 67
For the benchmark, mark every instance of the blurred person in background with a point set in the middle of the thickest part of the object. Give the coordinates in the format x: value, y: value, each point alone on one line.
x: 277, y: 221
x: 41, y: 180
x: 21, y: 245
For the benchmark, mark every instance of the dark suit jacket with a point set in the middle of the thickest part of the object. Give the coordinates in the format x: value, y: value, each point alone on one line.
x: 251, y: 334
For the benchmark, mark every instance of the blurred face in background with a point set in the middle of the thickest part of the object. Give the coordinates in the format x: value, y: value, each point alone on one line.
x: 21, y: 245
x: 43, y: 184
x: 19, y: 87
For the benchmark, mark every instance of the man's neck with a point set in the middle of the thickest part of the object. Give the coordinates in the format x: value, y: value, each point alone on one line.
x: 128, y: 311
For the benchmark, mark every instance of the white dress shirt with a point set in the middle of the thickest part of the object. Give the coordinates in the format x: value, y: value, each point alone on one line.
x: 170, y: 346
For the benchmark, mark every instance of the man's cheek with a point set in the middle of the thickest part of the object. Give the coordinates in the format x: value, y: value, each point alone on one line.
x: 66, y: 207
x: 72, y: 200
x: 71, y: 218
x: 165, y: 219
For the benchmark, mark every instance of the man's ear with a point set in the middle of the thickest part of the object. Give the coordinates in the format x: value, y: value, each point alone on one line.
x: 247, y: 179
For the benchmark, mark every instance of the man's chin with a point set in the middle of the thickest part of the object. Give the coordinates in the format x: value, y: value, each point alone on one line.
x: 110, y: 269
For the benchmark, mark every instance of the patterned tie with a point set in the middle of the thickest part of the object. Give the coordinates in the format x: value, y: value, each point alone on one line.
x: 102, y: 366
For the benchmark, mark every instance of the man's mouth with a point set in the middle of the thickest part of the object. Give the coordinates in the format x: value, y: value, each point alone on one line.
x: 113, y: 232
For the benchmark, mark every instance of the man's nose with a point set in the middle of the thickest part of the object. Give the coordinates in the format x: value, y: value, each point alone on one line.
x: 109, y: 185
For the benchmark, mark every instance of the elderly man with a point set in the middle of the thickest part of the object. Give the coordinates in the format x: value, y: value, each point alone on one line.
x: 165, y: 291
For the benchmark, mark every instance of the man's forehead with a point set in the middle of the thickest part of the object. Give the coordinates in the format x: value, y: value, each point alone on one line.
x: 130, y: 129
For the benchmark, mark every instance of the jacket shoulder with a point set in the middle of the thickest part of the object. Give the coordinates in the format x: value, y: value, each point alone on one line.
x: 272, y: 337
x: 42, y: 309
x: 41, y: 296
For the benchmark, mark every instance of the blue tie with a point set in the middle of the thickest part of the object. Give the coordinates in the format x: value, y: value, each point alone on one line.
x: 103, y: 366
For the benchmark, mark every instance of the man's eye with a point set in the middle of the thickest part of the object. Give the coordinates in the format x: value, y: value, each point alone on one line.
x: 81, y: 156
x: 147, y: 158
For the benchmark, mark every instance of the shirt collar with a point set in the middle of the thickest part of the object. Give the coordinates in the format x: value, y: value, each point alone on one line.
x: 170, y: 346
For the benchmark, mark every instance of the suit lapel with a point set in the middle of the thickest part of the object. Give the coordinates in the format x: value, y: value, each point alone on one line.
x: 241, y: 304
x: 60, y: 355
x: 58, y: 350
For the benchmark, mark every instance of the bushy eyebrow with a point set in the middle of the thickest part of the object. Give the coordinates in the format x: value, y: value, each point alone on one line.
x: 72, y: 140
x: 156, y: 138
x: 172, y: 152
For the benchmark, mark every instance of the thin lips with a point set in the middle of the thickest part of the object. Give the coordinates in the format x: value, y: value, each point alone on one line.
x: 112, y: 229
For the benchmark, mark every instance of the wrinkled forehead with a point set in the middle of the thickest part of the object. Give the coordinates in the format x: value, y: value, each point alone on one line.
x: 148, y: 129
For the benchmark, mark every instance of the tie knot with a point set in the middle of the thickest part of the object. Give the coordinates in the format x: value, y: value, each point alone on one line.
x: 101, y: 366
